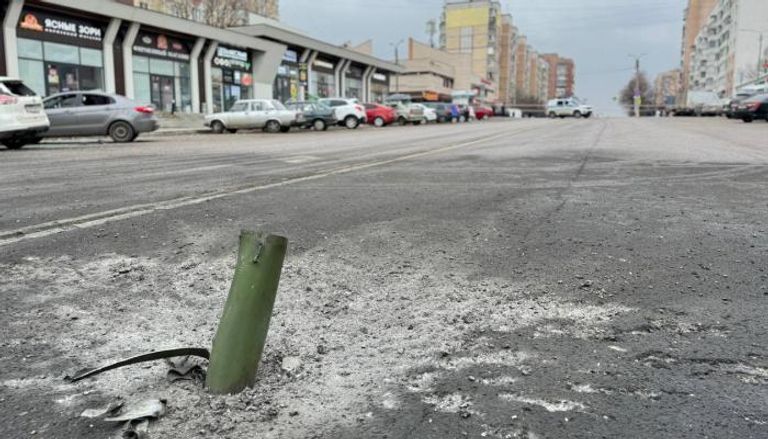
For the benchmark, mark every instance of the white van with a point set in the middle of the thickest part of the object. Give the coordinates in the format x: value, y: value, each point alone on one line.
x: 568, y: 107
x: 22, y: 119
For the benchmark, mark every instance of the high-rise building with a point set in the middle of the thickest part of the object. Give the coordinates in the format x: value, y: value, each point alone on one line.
x: 475, y: 27
x: 727, y: 51
x: 666, y: 87
x: 506, y: 64
x: 246, y: 11
x: 561, y: 76
x: 695, y: 16
x: 521, y: 67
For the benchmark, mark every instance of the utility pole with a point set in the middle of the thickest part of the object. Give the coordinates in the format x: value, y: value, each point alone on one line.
x: 760, y: 60
x: 397, y: 61
x: 638, y: 97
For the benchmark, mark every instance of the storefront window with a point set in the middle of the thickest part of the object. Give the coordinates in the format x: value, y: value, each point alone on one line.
x: 34, y: 75
x: 30, y: 49
x: 61, y: 53
x: 323, y: 85
x: 91, y: 57
x: 51, y: 68
x: 163, y: 83
x: 354, y: 88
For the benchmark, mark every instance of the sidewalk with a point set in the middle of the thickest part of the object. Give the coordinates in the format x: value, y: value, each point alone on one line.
x: 179, y: 124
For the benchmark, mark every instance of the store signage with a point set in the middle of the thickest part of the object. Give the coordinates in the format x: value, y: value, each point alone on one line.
x: 161, y: 46
x: 67, y: 27
x: 380, y: 77
x: 303, y: 73
x: 232, y: 59
x: 290, y: 56
x: 323, y: 64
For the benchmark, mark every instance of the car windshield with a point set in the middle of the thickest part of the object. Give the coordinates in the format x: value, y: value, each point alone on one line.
x: 16, y: 88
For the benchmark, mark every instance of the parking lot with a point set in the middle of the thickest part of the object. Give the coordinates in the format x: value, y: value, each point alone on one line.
x: 511, y: 278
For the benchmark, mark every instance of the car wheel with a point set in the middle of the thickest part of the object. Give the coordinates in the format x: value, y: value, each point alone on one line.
x: 402, y: 121
x: 577, y: 114
x: 231, y: 130
x: 121, y: 132
x: 747, y: 119
x: 319, y: 125
x: 552, y: 115
x: 217, y: 127
x: 35, y: 140
x: 14, y: 143
x: 351, y: 122
x: 378, y: 122
x: 273, y: 126
x: 285, y: 129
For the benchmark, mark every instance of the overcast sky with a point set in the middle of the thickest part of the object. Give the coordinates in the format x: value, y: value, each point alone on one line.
x: 598, y: 34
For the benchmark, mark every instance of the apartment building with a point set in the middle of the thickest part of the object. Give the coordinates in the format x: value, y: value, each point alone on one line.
x: 666, y: 87
x: 520, y: 66
x: 561, y: 76
x: 475, y: 27
x: 695, y: 16
x: 727, y: 49
x: 506, y: 67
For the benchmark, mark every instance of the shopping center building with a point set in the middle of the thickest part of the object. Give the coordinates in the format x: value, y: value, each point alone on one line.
x: 172, y: 63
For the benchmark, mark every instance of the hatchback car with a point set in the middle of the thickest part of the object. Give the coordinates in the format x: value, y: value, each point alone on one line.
x: 753, y: 108
x: 443, y: 111
x: 349, y: 111
x: 98, y: 114
x: 267, y: 114
x: 380, y: 115
x: 408, y: 113
x: 483, y: 113
x: 22, y: 119
x: 313, y: 115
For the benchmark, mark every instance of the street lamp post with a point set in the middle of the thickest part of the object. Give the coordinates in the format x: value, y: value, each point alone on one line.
x: 638, y: 96
x: 397, y: 61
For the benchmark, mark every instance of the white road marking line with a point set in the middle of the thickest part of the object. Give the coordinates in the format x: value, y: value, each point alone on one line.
x: 100, y: 218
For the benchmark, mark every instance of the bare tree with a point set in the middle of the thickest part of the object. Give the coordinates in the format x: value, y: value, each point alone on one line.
x: 219, y: 13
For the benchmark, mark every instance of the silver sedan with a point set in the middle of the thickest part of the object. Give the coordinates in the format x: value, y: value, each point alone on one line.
x: 90, y: 113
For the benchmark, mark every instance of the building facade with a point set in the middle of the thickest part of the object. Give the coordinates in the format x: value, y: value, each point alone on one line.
x: 666, y: 87
x: 695, y: 16
x: 173, y: 63
x: 562, y: 74
x: 727, y: 49
x: 474, y: 27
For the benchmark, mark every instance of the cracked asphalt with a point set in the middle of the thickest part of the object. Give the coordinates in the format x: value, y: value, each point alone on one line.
x: 596, y: 278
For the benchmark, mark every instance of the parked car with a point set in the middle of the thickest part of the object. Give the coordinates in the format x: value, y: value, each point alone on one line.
x: 442, y: 110
x: 22, y: 119
x: 408, y: 113
x: 753, y: 108
x: 267, y: 114
x: 568, y: 107
x: 430, y: 115
x: 380, y: 115
x: 483, y: 113
x: 349, y: 112
x: 91, y: 113
x: 733, y: 104
x: 313, y: 115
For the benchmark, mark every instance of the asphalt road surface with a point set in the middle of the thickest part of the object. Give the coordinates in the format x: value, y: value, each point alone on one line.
x: 533, y: 279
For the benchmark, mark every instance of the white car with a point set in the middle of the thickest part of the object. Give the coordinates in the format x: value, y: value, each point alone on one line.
x: 430, y: 115
x: 349, y: 112
x: 267, y: 114
x: 568, y: 107
x: 22, y: 119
